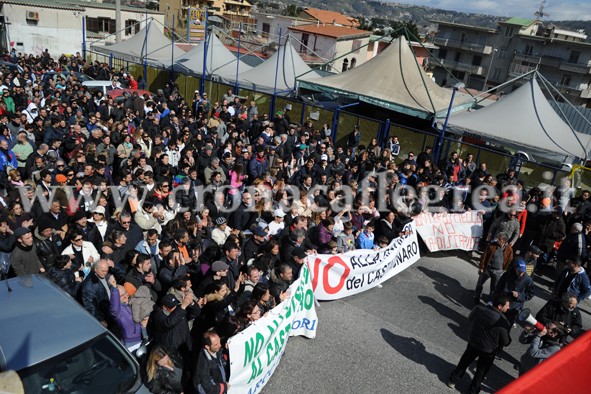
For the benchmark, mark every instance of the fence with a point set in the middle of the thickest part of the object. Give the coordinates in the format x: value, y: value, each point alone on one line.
x: 343, y: 123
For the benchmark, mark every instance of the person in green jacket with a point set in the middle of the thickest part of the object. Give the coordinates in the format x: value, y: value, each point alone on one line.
x: 10, y: 107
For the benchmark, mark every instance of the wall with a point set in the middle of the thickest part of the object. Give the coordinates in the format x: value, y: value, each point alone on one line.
x: 60, y: 31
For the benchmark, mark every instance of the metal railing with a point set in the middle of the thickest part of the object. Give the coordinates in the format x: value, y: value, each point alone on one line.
x: 467, y: 45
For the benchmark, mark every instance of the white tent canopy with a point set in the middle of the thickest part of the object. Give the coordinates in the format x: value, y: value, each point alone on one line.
x: 149, y: 45
x: 285, y: 64
x: 220, y: 61
x: 525, y: 119
x: 392, y: 80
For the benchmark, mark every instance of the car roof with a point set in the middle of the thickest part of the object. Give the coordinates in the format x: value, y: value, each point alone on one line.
x: 39, y: 321
x: 119, y: 92
x: 96, y: 83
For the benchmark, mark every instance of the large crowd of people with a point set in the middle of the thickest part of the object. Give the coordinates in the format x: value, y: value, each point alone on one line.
x: 180, y: 222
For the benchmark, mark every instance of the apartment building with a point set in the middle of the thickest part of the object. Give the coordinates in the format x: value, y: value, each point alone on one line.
x: 482, y: 57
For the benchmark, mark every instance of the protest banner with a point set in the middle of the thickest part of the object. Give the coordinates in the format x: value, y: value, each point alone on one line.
x: 339, y: 276
x: 256, y: 351
x: 450, y: 231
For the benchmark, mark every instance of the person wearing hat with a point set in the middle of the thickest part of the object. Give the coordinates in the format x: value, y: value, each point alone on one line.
x: 24, y: 256
x: 297, y: 260
x: 531, y: 258
x: 517, y: 286
x: 218, y: 272
x: 221, y: 232
x: 99, y: 220
x: 48, y: 242
x: 254, y: 245
x: 88, y: 229
x: 278, y: 223
x: 169, y: 328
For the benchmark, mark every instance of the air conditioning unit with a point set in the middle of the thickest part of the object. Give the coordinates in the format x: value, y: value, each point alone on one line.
x: 32, y: 16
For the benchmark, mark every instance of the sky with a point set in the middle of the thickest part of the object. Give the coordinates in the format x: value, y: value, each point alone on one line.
x: 558, y: 9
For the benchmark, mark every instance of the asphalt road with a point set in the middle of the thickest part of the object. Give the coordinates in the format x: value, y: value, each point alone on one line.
x: 406, y: 337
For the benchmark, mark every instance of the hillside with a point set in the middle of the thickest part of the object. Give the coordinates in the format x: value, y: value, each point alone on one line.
x: 420, y: 15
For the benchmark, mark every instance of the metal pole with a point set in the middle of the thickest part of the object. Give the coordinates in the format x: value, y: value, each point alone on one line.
x: 189, y: 24
x: 489, y: 67
x: 303, y: 114
x: 146, y: 51
x: 442, y: 135
x: 118, y: 21
x: 238, y: 60
x: 172, y: 54
x: 335, y: 123
x: 110, y: 60
x: 386, y: 133
x: 84, y: 37
x: 205, y: 49
x: 273, y: 102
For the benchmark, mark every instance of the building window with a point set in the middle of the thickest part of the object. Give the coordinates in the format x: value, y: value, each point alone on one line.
x: 345, y: 66
x: 508, y: 31
x: 496, y: 75
x: 566, y: 78
x: 266, y: 29
x: 304, y: 43
x: 458, y: 57
x: 131, y: 27
x: 503, y: 53
x: 574, y: 56
x: 477, y: 60
x: 529, y: 50
x: 355, y: 46
x: 353, y: 63
x: 442, y: 53
x: 100, y: 25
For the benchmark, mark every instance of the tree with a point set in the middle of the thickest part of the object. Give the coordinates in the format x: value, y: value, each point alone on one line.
x: 292, y: 10
x: 408, y: 29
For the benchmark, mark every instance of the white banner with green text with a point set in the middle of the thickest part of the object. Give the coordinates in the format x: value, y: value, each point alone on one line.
x: 256, y: 351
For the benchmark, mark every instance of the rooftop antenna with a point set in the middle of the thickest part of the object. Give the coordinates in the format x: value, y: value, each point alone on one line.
x: 540, y: 12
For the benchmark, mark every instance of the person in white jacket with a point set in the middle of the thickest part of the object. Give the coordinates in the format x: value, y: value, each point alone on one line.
x: 82, y: 252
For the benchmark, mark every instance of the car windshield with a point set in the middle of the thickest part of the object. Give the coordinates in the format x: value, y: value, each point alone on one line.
x: 100, y: 366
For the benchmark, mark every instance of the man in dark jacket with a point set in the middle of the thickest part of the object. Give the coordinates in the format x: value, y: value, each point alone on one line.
x: 95, y: 292
x: 517, y: 286
x: 494, y: 261
x: 281, y: 279
x: 565, y: 312
x: 169, y: 327
x: 242, y: 217
x: 489, y: 334
x: 210, y: 377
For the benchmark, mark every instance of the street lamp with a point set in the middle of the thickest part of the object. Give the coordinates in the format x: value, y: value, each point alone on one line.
x: 489, y: 67
x: 439, y: 150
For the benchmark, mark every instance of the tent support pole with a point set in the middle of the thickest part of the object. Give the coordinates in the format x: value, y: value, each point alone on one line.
x: 303, y: 114
x: 204, y: 70
x: 335, y: 119
x: 274, y: 100
x: 386, y: 133
x: 172, y: 54
x: 238, y: 60
x: 83, y: 37
x: 439, y: 150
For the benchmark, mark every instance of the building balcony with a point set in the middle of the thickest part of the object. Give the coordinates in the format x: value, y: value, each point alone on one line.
x: 463, y: 67
x: 578, y: 68
x: 515, y: 69
x: 575, y: 89
x: 545, y: 60
x: 465, y: 45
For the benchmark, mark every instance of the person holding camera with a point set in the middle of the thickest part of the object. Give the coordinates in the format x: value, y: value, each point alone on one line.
x: 565, y: 312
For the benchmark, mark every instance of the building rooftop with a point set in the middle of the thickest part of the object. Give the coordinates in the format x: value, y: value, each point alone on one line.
x: 78, y: 5
x: 379, y: 38
x: 324, y: 16
x: 460, y: 25
x: 331, y: 31
x: 523, y: 22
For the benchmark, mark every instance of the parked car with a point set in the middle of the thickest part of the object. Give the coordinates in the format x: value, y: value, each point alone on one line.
x: 119, y: 94
x: 47, y: 335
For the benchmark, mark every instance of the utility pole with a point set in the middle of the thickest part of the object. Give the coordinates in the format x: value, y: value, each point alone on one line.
x: 118, y: 21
